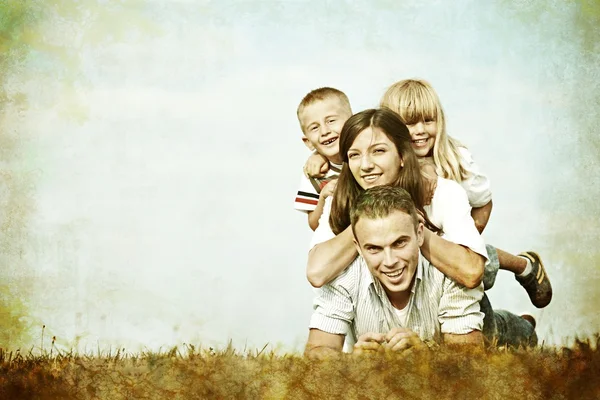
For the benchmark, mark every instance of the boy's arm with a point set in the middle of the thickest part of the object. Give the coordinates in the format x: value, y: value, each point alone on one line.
x: 481, y: 216
x: 313, y: 218
x: 316, y: 166
x: 315, y: 215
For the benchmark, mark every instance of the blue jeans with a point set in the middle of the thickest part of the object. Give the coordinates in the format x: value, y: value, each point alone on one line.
x: 491, y: 269
x: 503, y: 326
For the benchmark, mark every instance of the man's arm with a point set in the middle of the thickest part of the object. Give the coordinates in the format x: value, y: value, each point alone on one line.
x: 473, y: 337
x: 481, y: 216
x: 333, y: 314
x: 459, y: 313
x: 322, y: 344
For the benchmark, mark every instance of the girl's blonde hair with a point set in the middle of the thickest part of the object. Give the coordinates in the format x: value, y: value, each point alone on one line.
x: 415, y: 100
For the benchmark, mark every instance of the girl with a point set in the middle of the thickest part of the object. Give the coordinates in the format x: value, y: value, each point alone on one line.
x: 419, y: 107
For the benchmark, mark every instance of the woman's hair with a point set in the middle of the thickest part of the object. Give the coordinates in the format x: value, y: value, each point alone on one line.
x: 415, y: 100
x: 409, y: 177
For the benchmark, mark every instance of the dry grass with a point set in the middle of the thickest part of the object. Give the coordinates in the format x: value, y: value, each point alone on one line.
x: 188, y: 373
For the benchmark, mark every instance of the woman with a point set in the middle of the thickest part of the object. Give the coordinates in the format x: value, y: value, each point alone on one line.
x: 376, y: 149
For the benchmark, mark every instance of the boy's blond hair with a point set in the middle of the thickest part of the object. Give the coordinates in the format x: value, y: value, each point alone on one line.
x: 321, y: 94
x: 415, y: 100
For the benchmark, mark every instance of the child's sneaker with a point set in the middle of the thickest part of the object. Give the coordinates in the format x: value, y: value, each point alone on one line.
x: 536, y: 283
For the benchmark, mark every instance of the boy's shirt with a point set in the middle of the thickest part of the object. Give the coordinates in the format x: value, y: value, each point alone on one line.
x: 310, y: 188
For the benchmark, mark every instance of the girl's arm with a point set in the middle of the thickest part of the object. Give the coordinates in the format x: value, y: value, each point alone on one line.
x: 477, y: 186
x: 481, y: 216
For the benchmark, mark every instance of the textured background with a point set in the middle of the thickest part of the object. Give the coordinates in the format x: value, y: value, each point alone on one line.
x: 150, y: 155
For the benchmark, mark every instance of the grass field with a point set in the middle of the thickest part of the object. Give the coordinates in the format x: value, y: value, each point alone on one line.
x: 189, y: 373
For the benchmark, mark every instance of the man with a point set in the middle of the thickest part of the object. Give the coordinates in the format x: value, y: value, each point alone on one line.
x: 398, y: 300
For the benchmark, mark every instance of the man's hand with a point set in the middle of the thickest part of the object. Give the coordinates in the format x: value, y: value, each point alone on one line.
x: 316, y: 166
x: 328, y: 189
x: 370, y: 342
x: 401, y: 339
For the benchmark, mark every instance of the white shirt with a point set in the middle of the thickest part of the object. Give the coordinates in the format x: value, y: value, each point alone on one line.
x: 477, y: 185
x: 309, y: 189
x: 402, y: 315
x: 450, y: 211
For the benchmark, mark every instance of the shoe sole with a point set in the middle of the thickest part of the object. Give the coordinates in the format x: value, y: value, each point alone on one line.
x: 533, y: 257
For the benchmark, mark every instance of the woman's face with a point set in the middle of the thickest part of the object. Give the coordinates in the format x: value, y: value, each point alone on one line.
x: 373, y: 159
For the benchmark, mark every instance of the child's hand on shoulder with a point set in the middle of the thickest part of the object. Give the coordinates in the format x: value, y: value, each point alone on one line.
x: 316, y: 166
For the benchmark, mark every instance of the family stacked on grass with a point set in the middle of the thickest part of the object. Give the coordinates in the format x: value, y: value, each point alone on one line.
x: 398, y: 208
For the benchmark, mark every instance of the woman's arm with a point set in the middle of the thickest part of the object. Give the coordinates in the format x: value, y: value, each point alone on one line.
x: 460, y: 263
x: 328, y: 259
x: 461, y: 253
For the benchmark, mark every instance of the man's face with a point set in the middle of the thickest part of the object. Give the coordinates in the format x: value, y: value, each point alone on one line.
x: 390, y: 247
x: 322, y: 122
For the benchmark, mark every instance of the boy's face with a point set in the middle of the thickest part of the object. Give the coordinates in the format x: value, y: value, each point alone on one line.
x: 390, y: 247
x: 322, y: 122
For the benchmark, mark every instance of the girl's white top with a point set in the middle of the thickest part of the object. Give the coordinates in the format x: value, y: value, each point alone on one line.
x: 477, y: 185
x: 449, y: 210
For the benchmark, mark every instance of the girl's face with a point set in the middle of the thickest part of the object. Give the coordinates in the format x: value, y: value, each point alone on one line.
x: 373, y: 159
x: 423, y: 135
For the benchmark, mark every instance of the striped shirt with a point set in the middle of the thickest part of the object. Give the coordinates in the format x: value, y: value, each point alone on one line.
x: 355, y: 303
x: 307, y: 196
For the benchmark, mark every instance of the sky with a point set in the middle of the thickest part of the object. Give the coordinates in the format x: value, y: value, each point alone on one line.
x: 155, y: 155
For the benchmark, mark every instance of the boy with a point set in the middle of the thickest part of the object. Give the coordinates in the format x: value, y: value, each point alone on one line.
x: 322, y: 114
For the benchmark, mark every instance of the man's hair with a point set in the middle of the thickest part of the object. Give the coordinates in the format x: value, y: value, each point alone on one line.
x: 381, y: 201
x: 321, y: 94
